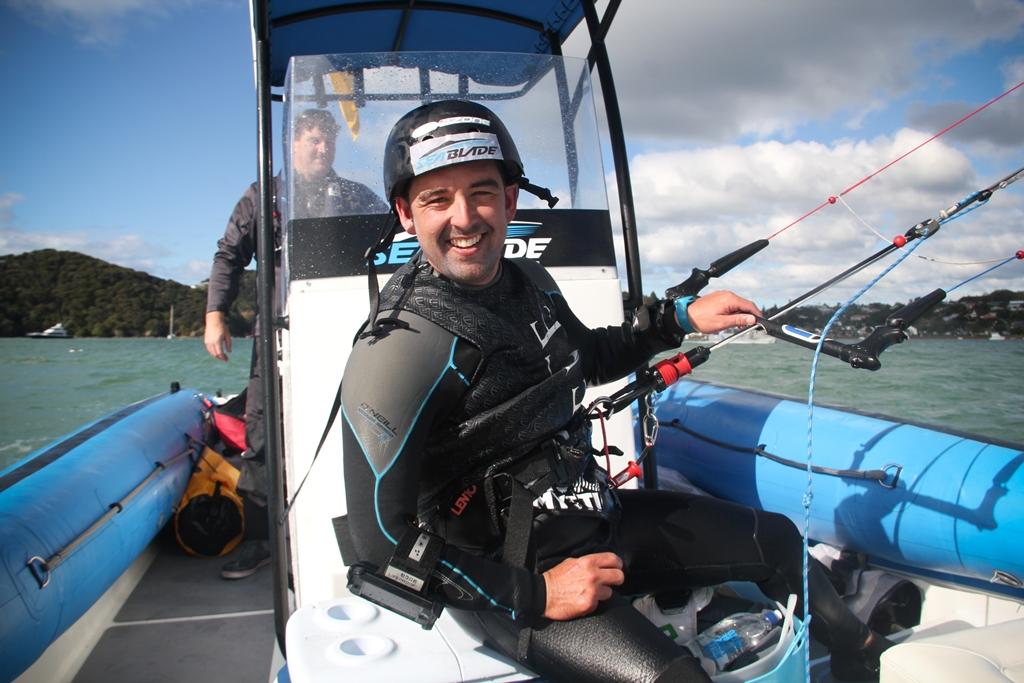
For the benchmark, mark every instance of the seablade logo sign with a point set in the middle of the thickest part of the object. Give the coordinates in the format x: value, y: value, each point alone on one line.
x: 519, y: 243
x: 557, y: 238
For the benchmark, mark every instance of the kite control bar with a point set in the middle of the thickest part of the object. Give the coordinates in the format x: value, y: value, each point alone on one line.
x: 865, y: 353
x: 667, y: 372
x: 862, y: 354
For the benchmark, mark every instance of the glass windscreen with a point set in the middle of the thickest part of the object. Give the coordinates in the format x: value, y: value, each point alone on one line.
x: 339, y: 110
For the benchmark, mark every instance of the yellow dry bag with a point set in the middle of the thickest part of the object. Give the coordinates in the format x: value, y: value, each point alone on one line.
x: 209, y: 521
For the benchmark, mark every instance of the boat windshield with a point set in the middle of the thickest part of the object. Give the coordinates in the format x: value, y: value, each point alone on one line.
x: 547, y: 106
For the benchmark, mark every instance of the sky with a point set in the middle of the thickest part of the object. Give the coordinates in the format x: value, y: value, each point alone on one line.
x: 129, y: 132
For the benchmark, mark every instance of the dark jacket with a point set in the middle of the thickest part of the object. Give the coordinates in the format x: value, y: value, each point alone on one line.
x: 334, y: 196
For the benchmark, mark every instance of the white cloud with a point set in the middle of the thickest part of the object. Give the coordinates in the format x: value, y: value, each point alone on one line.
x: 93, y: 22
x: 1013, y: 72
x: 128, y: 250
x: 193, y: 271
x: 698, y: 205
x: 713, y: 71
x: 7, y: 202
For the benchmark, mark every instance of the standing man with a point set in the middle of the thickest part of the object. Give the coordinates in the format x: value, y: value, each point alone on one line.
x: 477, y: 452
x: 317, y: 192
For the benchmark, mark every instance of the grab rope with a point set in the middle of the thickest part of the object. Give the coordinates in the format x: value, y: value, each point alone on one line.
x: 887, y: 477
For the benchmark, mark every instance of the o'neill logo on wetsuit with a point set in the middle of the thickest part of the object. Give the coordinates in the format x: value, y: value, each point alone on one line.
x: 519, y: 243
x: 377, y: 423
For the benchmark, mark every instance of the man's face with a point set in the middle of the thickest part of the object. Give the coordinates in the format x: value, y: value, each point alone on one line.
x: 460, y: 214
x: 313, y: 153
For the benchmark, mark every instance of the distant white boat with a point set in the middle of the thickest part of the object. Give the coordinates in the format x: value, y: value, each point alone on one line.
x: 170, y: 333
x: 58, y: 331
x: 755, y: 336
x: 995, y: 336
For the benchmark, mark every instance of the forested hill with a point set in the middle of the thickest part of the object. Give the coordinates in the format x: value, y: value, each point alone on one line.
x: 94, y: 298
x: 1001, y: 311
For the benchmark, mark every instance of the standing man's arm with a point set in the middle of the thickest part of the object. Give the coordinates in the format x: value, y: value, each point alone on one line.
x: 234, y: 252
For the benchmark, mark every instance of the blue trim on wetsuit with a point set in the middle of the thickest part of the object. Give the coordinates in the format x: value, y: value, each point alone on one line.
x: 376, y: 477
x: 477, y: 588
x: 451, y: 364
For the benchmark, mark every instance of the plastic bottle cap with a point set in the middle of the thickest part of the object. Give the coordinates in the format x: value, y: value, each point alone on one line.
x: 774, y: 617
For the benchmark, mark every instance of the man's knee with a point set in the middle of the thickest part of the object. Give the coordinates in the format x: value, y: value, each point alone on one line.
x: 778, y: 535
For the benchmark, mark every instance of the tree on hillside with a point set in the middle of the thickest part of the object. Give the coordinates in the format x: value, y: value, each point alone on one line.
x: 95, y: 298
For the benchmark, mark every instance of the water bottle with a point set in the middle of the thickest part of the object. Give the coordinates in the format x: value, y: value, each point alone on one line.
x: 737, y: 636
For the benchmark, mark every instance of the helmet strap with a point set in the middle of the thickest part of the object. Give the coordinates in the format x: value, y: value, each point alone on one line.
x: 385, y: 237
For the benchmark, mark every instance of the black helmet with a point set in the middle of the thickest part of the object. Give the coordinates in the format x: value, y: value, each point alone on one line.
x: 443, y: 133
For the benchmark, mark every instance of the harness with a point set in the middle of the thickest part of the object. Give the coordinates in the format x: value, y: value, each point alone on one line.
x: 495, y: 457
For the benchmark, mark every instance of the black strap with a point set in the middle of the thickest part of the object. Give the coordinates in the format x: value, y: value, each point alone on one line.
x: 517, y: 542
x: 518, y: 527
x: 384, y: 238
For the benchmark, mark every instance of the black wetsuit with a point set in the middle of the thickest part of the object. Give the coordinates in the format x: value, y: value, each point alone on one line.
x: 330, y: 196
x: 481, y: 376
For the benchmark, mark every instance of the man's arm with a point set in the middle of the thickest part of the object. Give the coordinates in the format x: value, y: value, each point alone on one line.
x: 612, y: 352
x: 234, y: 252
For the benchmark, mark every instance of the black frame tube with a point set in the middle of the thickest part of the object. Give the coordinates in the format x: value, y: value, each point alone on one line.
x: 268, y: 338
x: 598, y: 57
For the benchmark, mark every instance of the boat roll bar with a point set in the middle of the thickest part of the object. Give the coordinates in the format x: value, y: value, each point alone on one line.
x: 269, y: 324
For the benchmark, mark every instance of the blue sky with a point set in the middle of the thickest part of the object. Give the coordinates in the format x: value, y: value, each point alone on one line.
x: 129, y: 131
x: 133, y: 144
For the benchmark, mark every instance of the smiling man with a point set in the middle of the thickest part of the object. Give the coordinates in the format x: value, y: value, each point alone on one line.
x: 468, y: 463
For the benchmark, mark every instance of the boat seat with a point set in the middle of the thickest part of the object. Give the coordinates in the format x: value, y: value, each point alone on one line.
x: 989, y: 653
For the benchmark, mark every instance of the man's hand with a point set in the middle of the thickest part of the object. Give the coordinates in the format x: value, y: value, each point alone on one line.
x: 217, y: 338
x: 575, y: 586
x: 720, y: 310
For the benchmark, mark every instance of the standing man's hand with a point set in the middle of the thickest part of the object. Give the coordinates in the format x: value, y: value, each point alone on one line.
x: 576, y: 585
x: 217, y: 338
x: 720, y: 310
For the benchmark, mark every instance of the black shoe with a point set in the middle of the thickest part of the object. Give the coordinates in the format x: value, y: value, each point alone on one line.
x: 251, y: 556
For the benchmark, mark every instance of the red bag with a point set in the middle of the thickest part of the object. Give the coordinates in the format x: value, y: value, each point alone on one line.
x: 229, y: 421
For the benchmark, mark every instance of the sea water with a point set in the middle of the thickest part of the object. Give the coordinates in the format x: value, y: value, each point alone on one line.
x: 51, y: 386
